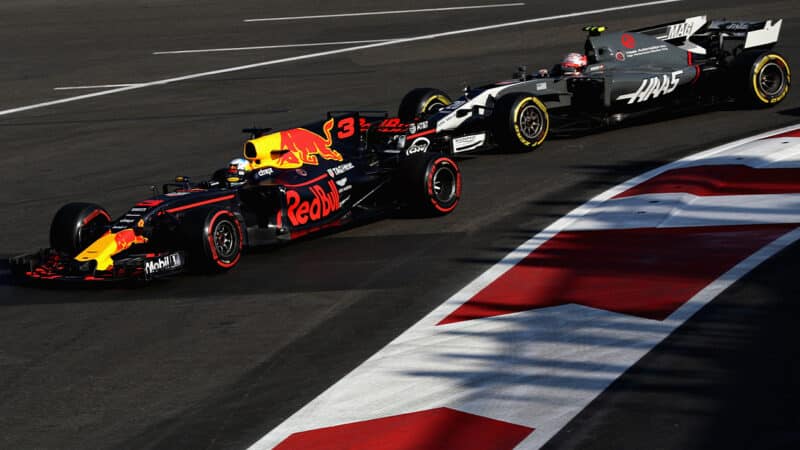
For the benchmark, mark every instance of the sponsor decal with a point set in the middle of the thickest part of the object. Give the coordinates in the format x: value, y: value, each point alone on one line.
x: 415, y: 127
x: 134, y: 215
x: 653, y: 87
x: 162, y: 264
x: 265, y: 172
x: 647, y: 50
x: 322, y: 204
x: 465, y: 143
x: 620, y: 56
x: 736, y: 26
x: 541, y: 86
x: 628, y: 41
x: 392, y: 125
x: 290, y: 149
x: 596, y: 67
x: 177, y: 194
x: 341, y: 169
x: 679, y: 30
x: 341, y: 182
x: 420, y: 145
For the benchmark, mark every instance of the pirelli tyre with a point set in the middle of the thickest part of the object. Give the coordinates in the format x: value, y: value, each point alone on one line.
x: 520, y: 122
x: 420, y: 103
x: 213, y: 239
x: 76, y: 226
x: 431, y: 184
x: 767, y: 80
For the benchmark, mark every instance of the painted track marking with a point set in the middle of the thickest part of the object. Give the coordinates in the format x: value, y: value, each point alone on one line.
x: 328, y: 53
x: 96, y: 86
x: 538, y: 368
x: 380, y: 13
x: 267, y: 47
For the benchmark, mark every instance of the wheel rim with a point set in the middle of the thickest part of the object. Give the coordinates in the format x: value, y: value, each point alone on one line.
x: 226, y: 239
x: 771, y: 79
x: 444, y: 184
x: 531, y: 122
x: 434, y: 107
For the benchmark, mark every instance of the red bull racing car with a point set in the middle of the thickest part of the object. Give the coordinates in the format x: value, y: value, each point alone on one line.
x: 289, y: 184
x: 620, y: 75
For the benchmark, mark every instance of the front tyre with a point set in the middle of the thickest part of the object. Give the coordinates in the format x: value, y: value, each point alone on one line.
x: 768, y: 80
x: 420, y: 103
x: 431, y: 183
x: 520, y: 122
x: 214, y: 239
x: 76, y: 226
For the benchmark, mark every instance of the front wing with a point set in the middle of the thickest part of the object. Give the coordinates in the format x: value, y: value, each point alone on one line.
x: 50, y: 265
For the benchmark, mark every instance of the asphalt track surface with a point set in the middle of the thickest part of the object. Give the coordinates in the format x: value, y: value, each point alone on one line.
x: 216, y: 362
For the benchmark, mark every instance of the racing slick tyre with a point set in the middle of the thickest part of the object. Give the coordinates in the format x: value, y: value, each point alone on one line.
x: 76, y: 226
x: 420, y: 103
x: 767, y: 78
x: 520, y: 122
x: 431, y: 183
x: 214, y: 240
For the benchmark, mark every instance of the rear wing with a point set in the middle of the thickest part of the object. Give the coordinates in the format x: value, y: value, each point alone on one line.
x: 754, y: 33
x: 675, y: 32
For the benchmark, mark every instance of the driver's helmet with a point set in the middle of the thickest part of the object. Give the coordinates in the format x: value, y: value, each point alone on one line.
x: 237, y: 170
x: 573, y: 63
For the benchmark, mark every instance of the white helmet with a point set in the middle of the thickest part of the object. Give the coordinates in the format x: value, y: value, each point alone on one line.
x: 238, y: 167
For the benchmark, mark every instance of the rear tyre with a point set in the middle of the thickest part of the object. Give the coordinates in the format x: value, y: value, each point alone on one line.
x: 214, y: 240
x: 76, y: 226
x: 431, y: 183
x: 520, y: 122
x: 767, y: 80
x: 420, y: 103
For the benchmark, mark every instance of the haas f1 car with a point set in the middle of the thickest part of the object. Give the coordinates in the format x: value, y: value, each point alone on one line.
x: 289, y: 184
x: 622, y: 75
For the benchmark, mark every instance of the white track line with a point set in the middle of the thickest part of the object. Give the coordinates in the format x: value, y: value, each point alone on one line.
x: 96, y: 86
x: 379, y: 13
x: 329, y: 53
x: 265, y: 47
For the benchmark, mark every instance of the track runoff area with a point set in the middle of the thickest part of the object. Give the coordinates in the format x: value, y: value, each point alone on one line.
x: 510, y: 359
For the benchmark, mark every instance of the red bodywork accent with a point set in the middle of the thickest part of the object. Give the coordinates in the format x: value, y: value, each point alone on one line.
x: 420, y: 134
x: 204, y: 202
x: 697, y: 72
x: 150, y: 203
x: 306, y: 183
x: 94, y: 214
x: 306, y: 232
x: 434, y: 429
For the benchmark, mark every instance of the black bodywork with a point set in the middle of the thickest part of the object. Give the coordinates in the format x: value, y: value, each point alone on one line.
x: 331, y: 178
x: 629, y: 73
